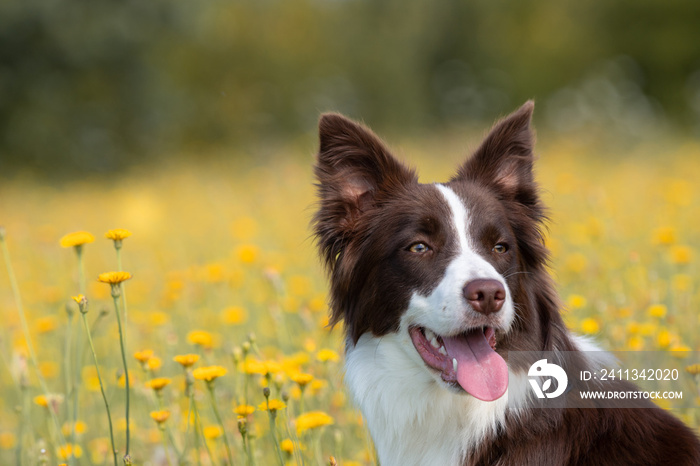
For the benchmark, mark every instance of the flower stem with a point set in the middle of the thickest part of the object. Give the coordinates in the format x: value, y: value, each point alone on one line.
x: 273, y: 431
x: 122, y: 345
x: 102, y: 389
x: 210, y: 387
x: 25, y: 327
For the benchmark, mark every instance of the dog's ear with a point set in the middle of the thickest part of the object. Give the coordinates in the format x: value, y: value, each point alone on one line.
x: 353, y: 168
x: 504, y: 159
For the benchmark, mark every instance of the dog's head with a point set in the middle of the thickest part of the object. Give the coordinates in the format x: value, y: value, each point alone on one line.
x: 442, y: 265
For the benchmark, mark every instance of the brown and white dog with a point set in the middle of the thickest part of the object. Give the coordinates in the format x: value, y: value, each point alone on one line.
x: 436, y: 283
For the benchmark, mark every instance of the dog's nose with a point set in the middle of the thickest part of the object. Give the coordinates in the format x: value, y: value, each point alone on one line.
x: 485, y: 295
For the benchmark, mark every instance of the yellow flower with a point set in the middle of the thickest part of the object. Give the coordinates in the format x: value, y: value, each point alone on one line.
x: 664, y: 235
x: 312, y: 420
x: 68, y: 450
x: 248, y: 253
x: 274, y: 405
x: 663, y: 339
x: 693, y: 369
x: 234, y: 315
x: 8, y: 440
x: 160, y: 416
x: 287, y: 446
x: 186, y: 360
x: 657, y: 310
x: 113, y: 278
x: 680, y: 351
x: 302, y: 379
x: 576, y: 301
x: 209, y: 373
x: 78, y: 299
x: 117, y: 234
x: 50, y: 400
x: 143, y: 356
x: 77, y: 238
x: 251, y: 366
x: 154, y: 363
x: 45, y: 324
x: 681, y: 254
x: 158, y: 383
x: 244, y: 410
x: 201, y: 338
x: 327, y: 355
x: 80, y: 428
x: 212, y: 432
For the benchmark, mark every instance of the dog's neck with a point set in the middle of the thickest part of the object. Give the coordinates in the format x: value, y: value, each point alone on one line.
x: 414, y: 420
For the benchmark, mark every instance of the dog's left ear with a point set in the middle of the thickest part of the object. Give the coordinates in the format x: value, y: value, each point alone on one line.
x: 504, y: 160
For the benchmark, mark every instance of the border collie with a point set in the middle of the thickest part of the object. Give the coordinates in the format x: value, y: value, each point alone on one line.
x: 435, y: 284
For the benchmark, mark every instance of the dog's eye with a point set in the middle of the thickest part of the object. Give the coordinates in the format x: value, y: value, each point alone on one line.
x: 419, y: 248
x: 500, y: 248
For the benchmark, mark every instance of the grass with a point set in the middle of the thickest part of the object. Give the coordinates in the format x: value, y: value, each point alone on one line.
x: 224, y: 268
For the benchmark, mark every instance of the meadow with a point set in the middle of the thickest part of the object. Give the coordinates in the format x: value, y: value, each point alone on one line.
x: 223, y: 314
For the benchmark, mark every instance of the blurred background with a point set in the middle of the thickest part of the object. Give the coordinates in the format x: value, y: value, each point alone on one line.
x: 193, y: 125
x: 97, y: 86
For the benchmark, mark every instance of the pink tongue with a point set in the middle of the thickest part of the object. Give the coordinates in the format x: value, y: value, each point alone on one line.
x: 480, y: 370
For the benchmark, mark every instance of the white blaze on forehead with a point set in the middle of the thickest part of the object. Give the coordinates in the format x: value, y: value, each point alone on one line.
x: 459, y: 216
x: 445, y: 309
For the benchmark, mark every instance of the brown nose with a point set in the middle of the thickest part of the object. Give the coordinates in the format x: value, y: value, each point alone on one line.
x: 485, y: 295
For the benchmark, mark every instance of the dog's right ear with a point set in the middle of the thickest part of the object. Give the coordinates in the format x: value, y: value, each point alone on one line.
x: 353, y: 168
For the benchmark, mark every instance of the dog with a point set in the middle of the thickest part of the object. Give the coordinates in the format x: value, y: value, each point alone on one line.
x: 436, y: 284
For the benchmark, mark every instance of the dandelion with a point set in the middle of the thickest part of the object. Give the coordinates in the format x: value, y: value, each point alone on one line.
x: 201, y: 338
x: 234, y: 315
x: 160, y: 416
x: 143, y: 356
x: 693, y: 369
x: 312, y: 420
x: 154, y: 363
x: 186, y: 360
x: 680, y: 351
x: 209, y: 373
x: 114, y: 278
x: 248, y: 253
x: 657, y: 310
x: 69, y: 450
x: 79, y: 427
x: 117, y: 234
x: 272, y: 405
x: 664, y: 235
x: 302, y: 379
x: 76, y: 239
x: 681, y: 255
x: 326, y: 355
x: 212, y: 432
x: 287, y: 446
x: 244, y: 410
x: 577, y: 301
x: 158, y: 384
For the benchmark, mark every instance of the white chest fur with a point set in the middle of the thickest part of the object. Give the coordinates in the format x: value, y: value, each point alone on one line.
x: 413, y: 420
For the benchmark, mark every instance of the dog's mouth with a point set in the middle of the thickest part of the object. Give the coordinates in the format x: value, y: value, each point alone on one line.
x: 467, y: 359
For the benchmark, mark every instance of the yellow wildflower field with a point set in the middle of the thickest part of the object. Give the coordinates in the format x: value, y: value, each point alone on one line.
x: 222, y: 335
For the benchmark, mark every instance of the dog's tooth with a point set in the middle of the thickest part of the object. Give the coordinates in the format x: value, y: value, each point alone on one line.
x: 454, y: 364
x: 435, y: 343
x: 442, y: 351
x: 429, y: 335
